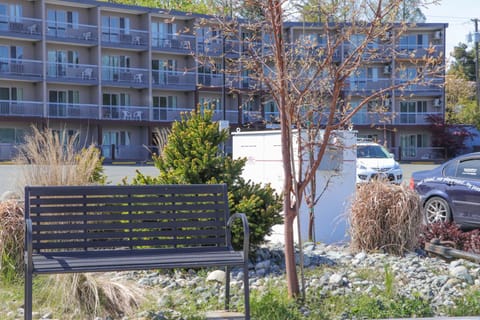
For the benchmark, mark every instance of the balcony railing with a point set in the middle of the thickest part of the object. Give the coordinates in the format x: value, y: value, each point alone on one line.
x: 72, y: 110
x: 367, y: 84
x: 173, y: 42
x: 126, y: 38
x: 70, y: 71
x: 132, y: 113
x: 16, y: 108
x: 414, y: 118
x: 69, y: 31
x: 426, y: 85
x: 21, y: 26
x: 173, y: 79
x: 131, y: 77
x: 418, y: 51
x: 20, y: 68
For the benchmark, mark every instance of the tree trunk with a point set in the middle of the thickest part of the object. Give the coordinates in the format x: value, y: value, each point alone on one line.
x: 291, y: 270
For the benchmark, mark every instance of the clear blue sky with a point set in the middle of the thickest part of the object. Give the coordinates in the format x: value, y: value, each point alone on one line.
x: 458, y: 14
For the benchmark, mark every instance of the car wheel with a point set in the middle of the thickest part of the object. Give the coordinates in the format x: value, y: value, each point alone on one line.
x: 437, y: 210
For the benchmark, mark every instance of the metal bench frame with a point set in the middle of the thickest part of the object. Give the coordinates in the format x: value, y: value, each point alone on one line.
x: 74, y: 229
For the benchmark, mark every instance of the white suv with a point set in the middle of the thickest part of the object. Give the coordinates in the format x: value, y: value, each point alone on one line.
x: 374, y: 161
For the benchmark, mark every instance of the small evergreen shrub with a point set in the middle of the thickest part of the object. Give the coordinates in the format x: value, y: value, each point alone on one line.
x: 192, y: 155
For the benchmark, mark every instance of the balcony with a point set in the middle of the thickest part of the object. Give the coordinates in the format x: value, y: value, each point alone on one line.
x: 174, y: 43
x: 210, y: 79
x: 362, y: 85
x: 20, y: 27
x: 128, y: 113
x: 125, y: 77
x: 418, y: 51
x: 16, y: 108
x: 69, y: 72
x: 412, y: 118
x: 21, y: 69
x: 72, y: 110
x: 173, y: 80
x: 68, y: 32
x: 169, y: 113
x: 427, y: 86
x: 127, y: 39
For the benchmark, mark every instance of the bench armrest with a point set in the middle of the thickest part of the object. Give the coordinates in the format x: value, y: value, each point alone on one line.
x: 246, y: 230
x: 28, y: 242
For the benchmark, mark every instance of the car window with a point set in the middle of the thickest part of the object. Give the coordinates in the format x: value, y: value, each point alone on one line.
x: 469, y: 169
x: 372, y: 151
x: 449, y: 170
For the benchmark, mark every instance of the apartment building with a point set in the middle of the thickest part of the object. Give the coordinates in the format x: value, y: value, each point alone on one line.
x: 115, y: 73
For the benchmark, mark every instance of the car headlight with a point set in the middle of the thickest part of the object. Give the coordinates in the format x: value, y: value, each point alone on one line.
x: 361, y: 166
x: 396, y: 166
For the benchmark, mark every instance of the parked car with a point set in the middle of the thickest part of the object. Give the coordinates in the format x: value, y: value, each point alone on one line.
x: 374, y: 161
x: 451, y: 191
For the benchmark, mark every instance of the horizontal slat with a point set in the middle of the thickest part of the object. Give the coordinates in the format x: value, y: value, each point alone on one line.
x: 138, y: 234
x: 112, y: 261
x: 123, y: 216
x: 124, y: 198
x: 108, y: 243
x: 48, y: 191
x: 126, y: 226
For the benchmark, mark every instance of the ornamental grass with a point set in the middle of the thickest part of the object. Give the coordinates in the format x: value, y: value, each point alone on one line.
x: 385, y: 217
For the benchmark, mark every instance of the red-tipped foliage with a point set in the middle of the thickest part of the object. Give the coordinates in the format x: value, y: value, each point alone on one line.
x: 451, y: 235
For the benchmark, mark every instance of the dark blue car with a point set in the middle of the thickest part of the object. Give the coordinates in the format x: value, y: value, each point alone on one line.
x: 451, y: 192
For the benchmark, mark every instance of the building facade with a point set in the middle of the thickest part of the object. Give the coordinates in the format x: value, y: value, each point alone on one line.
x: 114, y: 74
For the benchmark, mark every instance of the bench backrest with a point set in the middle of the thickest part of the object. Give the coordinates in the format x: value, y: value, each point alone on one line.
x: 77, y: 218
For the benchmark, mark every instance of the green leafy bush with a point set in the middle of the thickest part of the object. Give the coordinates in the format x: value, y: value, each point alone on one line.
x: 192, y: 155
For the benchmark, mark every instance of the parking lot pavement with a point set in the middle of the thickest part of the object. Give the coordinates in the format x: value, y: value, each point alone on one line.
x: 115, y: 173
x: 9, y: 174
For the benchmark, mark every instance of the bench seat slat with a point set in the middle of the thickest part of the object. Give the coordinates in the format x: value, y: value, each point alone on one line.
x: 127, y: 261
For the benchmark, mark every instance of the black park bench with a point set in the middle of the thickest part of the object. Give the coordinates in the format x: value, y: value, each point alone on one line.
x: 75, y: 229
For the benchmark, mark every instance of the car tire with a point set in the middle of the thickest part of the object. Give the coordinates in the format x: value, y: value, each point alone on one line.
x: 436, y: 209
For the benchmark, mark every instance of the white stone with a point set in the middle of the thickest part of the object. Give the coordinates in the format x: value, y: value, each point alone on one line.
x: 217, y: 275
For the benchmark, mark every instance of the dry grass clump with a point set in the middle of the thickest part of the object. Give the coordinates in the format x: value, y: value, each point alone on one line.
x: 385, y: 217
x: 11, y: 239
x: 52, y: 159
x: 89, y: 295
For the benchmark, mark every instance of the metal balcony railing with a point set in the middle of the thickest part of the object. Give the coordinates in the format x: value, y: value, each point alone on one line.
x: 16, y: 108
x: 173, y: 42
x: 132, y: 77
x: 71, y: 32
x: 70, y: 71
x: 21, y: 26
x: 21, y: 68
x: 173, y: 79
x: 130, y: 38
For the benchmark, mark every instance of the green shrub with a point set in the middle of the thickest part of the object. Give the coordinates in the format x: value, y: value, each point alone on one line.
x: 274, y: 304
x: 192, y: 155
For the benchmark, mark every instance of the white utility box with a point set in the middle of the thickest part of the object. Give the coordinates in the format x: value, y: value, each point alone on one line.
x: 335, y: 178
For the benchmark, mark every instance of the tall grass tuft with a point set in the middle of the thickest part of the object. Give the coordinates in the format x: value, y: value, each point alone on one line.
x: 52, y: 159
x: 385, y: 217
x: 55, y: 159
x: 11, y: 240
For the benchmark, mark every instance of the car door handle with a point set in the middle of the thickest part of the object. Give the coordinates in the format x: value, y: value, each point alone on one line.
x: 450, y: 183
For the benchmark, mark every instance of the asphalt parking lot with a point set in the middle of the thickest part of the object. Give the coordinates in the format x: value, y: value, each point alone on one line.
x: 115, y: 173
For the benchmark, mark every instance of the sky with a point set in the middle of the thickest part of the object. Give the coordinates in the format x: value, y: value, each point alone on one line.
x: 458, y: 14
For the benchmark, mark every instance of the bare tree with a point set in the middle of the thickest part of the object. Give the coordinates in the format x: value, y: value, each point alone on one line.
x: 311, y: 70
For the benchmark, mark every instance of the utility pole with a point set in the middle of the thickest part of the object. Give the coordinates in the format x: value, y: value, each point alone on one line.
x: 477, y: 80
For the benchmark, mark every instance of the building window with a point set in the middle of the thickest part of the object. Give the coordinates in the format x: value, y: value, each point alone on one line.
x: 115, y: 29
x: 59, y: 21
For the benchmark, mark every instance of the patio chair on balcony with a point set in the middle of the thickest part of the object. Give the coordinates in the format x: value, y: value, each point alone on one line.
x: 33, y: 29
x: 87, y: 35
x: 87, y: 74
x: 137, y: 40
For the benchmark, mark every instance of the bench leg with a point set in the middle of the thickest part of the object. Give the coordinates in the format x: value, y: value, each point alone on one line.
x: 27, y: 308
x: 246, y: 290
x: 227, y: 287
